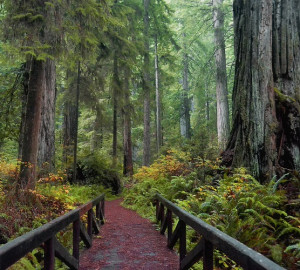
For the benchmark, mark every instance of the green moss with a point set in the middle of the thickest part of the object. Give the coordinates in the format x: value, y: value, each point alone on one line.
x: 282, y: 97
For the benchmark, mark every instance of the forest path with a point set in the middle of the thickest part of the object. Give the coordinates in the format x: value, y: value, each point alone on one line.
x: 128, y: 241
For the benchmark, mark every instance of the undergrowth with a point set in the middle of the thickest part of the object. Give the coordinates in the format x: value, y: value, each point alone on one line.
x: 53, y: 197
x: 261, y: 216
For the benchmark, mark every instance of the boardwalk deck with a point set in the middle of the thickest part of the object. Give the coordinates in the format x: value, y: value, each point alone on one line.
x: 128, y: 241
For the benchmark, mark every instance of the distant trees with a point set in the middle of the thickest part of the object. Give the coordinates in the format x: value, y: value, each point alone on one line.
x: 223, y: 125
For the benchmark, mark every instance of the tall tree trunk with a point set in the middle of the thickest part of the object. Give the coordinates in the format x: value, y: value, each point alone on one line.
x: 98, y: 130
x: 146, y: 87
x: 286, y: 71
x: 128, y: 163
x: 253, y: 140
x: 158, y: 102
x: 185, y: 119
x: 70, y: 123
x: 76, y: 122
x: 32, y: 123
x: 25, y: 82
x: 47, y: 130
x: 221, y: 78
x: 116, y: 85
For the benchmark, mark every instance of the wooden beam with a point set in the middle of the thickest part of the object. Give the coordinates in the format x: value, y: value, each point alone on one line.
x: 49, y: 257
x: 176, y: 234
x: 208, y: 255
x: 182, y: 243
x: 96, y: 226
x: 62, y: 253
x: 193, y: 256
x: 85, y: 236
x: 164, y: 225
x: 235, y: 250
x: 76, y: 238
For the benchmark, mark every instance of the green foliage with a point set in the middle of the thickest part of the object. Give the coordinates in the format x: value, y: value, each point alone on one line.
x: 236, y: 204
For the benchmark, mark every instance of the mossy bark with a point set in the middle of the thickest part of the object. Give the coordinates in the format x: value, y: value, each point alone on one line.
x: 46, y: 151
x: 265, y: 133
x: 31, y: 124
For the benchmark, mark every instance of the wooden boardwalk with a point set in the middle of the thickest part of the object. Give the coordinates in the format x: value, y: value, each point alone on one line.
x: 127, y: 241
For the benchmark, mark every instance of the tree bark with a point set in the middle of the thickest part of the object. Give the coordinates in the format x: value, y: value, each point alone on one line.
x: 32, y: 123
x: 185, y: 119
x: 76, y: 118
x: 116, y: 85
x: 128, y: 163
x: 46, y: 151
x: 146, y: 87
x: 286, y: 71
x: 260, y: 139
x: 25, y: 82
x: 97, y: 138
x: 221, y: 78
x: 69, y: 125
x: 158, y: 102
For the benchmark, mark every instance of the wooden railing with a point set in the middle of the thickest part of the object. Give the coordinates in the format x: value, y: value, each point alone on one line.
x: 210, y: 238
x: 45, y: 236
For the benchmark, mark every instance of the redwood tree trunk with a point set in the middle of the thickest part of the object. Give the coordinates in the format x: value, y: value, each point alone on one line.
x: 146, y: 86
x: 128, y: 163
x: 47, y: 130
x: 185, y: 118
x: 158, y: 102
x: 116, y: 86
x: 258, y: 141
x: 221, y: 78
x: 70, y: 125
x: 286, y: 70
x: 32, y: 123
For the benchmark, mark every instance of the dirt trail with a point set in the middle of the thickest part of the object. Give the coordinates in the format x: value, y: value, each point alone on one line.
x: 128, y: 241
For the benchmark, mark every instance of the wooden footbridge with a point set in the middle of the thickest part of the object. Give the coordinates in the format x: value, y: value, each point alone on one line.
x: 211, y: 238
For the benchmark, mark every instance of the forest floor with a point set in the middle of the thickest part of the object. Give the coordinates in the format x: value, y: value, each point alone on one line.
x: 128, y: 241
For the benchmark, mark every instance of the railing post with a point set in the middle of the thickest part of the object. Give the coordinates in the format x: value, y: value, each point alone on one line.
x: 98, y: 212
x: 49, y: 258
x: 170, y: 224
x: 182, y: 243
x: 103, y: 210
x: 208, y: 256
x: 76, y: 238
x: 157, y: 209
x: 90, y: 223
x: 162, y: 213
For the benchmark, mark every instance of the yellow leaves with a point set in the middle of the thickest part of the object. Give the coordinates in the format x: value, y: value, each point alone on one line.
x: 173, y: 164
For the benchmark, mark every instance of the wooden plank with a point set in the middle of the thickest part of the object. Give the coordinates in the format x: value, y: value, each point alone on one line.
x: 193, y: 256
x: 208, y: 256
x: 175, y: 235
x: 235, y: 250
x: 101, y: 213
x: 76, y: 238
x: 19, y: 247
x: 164, y: 225
x: 182, y: 242
x: 158, y: 212
x: 62, y: 253
x: 85, y: 208
x: 170, y: 224
x: 84, y: 236
x: 98, y: 209
x: 49, y: 257
x: 90, y: 223
x: 96, y: 226
x: 98, y: 199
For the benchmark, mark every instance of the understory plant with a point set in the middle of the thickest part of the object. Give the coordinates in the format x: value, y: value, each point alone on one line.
x: 257, y: 215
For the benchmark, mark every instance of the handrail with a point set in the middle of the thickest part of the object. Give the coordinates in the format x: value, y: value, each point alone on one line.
x: 44, y: 236
x: 211, y: 238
